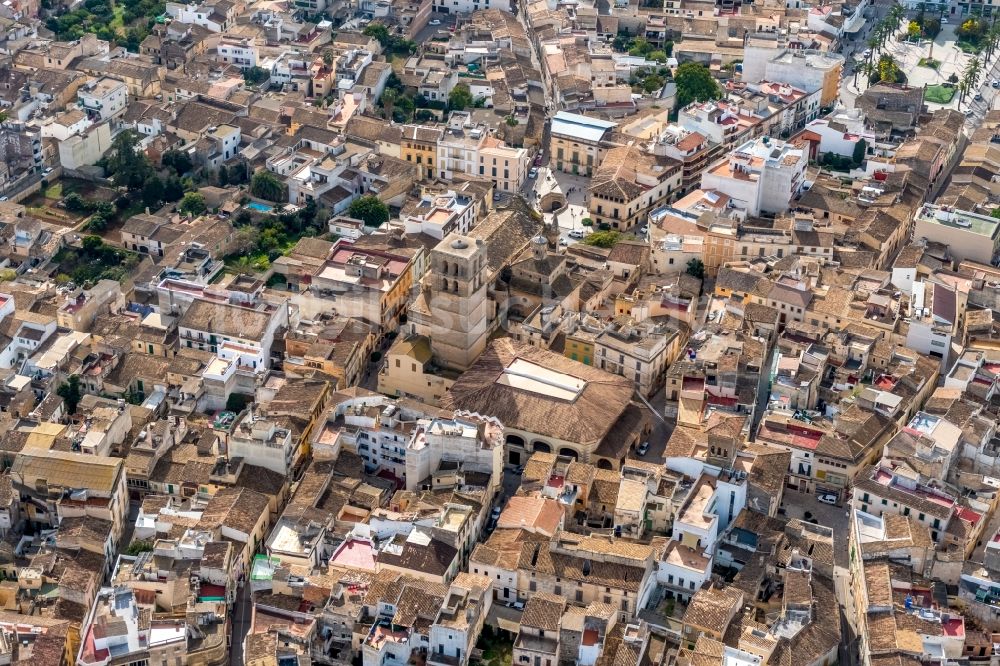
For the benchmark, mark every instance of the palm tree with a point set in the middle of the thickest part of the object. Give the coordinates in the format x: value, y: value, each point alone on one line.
x: 885, y: 31
x: 963, y: 88
x: 868, y: 68
x: 243, y: 266
x: 873, y: 45
x: 992, y: 38
x: 895, y: 17
x: 970, y: 78
x: 389, y: 97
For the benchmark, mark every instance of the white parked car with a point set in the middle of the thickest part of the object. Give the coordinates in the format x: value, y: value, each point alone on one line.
x: 827, y: 499
x: 576, y: 233
x: 434, y: 22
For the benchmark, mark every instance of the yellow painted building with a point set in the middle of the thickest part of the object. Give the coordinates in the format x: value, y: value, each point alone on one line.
x: 580, y: 347
x: 419, y: 145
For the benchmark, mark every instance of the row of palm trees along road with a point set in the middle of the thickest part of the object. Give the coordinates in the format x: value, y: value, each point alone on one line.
x: 879, y: 65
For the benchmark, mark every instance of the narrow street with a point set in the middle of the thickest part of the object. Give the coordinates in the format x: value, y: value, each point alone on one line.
x: 240, y: 624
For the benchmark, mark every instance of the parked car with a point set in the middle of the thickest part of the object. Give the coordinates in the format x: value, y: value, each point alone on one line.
x: 643, y: 230
x: 533, y: 172
x: 978, y: 97
x: 576, y: 233
x: 827, y: 498
x: 643, y: 449
x: 944, y: 20
x: 519, y: 470
x: 517, y: 605
x: 995, y: 83
x: 434, y: 22
x: 496, y: 513
x: 867, y: 53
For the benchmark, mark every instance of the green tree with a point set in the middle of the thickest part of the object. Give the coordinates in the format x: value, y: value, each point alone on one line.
x: 193, y: 203
x: 152, y: 192
x: 972, y: 30
x: 8, y: 275
x: 389, y: 97
x: 98, y: 222
x: 70, y: 392
x: 696, y: 268
x: 223, y: 176
x: 695, y: 83
x: 860, y: 150
x: 913, y: 30
x: 137, y: 547
x: 266, y: 185
x: 93, y: 246
x: 177, y: 160
x: 460, y: 97
x: 255, y: 75
x: 243, y: 266
x: 270, y: 239
x: 370, y: 210
x: 658, y: 56
x: 640, y: 47
x: 246, y: 239
x: 328, y: 57
x: 652, y: 84
x: 173, y: 189
x: 127, y: 165
x: 605, y: 239
x: 888, y: 70
x: 75, y: 203
x: 511, y: 121
x: 379, y: 32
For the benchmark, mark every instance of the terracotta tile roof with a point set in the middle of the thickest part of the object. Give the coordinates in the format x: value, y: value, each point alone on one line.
x: 532, y: 513
x: 711, y: 609
x: 600, y: 402
x: 543, y: 611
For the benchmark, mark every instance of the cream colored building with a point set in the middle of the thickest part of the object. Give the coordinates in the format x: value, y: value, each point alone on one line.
x: 577, y: 142
x: 407, y: 372
x: 85, y: 149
